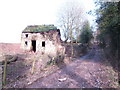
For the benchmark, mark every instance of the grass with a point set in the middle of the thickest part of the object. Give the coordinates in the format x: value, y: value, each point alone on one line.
x: 39, y: 28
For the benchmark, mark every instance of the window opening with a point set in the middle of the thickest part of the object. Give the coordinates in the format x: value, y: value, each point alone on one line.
x: 26, y: 35
x: 43, y: 43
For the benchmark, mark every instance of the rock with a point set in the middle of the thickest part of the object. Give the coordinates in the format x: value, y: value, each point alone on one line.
x: 29, y: 83
x: 62, y: 79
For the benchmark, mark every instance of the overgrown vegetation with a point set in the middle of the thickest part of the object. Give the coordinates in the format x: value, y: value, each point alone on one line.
x: 108, y: 19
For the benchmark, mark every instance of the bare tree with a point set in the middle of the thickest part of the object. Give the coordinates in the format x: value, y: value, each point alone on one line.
x: 70, y: 19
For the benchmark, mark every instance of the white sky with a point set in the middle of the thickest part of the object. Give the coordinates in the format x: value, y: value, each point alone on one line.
x: 15, y: 15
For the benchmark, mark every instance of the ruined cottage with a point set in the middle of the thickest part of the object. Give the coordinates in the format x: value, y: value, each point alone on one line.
x: 44, y: 39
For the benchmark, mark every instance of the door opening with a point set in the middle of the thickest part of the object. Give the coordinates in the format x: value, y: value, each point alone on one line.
x: 34, y: 45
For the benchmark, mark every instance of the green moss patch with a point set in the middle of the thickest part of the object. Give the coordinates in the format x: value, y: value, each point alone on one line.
x: 39, y: 28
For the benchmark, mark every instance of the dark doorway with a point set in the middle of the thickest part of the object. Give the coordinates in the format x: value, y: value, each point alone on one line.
x: 34, y: 45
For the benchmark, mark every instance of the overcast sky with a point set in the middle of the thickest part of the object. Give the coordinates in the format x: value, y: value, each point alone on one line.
x: 15, y: 15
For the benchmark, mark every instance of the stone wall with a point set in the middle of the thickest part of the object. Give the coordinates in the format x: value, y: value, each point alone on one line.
x: 78, y: 49
x: 52, y: 42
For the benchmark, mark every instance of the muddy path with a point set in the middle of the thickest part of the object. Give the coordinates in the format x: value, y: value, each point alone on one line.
x: 89, y: 71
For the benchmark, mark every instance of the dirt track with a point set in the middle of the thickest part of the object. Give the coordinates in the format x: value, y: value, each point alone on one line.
x: 89, y: 71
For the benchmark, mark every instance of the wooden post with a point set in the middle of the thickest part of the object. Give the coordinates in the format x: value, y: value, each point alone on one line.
x: 33, y: 65
x: 72, y: 52
x: 4, y: 72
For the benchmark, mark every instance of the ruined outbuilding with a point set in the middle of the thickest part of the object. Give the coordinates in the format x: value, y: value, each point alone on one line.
x: 44, y: 39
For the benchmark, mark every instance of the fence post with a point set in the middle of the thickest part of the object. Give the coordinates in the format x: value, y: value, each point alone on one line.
x: 33, y: 65
x: 4, y: 72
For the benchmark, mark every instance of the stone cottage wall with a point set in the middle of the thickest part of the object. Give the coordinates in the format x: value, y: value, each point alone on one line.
x: 27, y: 46
x: 51, y: 39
